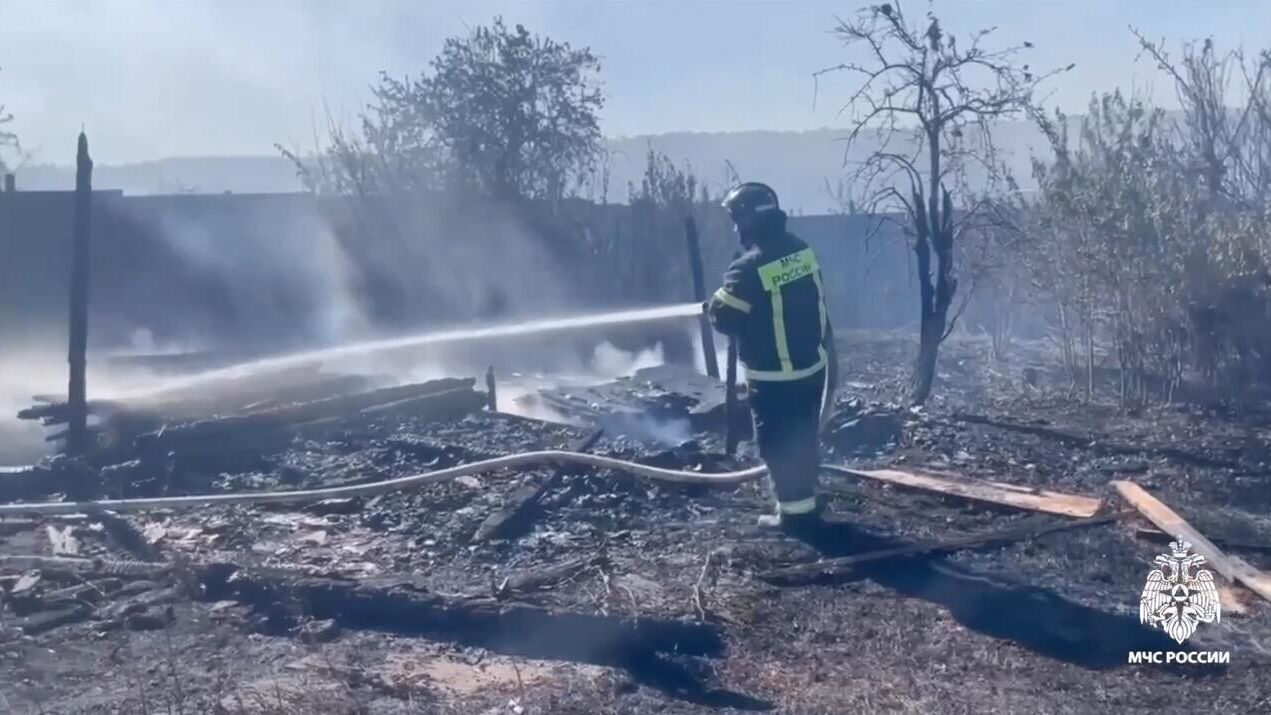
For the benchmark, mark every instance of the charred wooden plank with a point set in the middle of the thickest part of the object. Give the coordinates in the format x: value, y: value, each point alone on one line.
x: 36, y: 600
x: 522, y: 504
x: 546, y: 577
x: 441, y: 405
x: 661, y: 393
x: 45, y: 621
x: 128, y: 537
x: 522, y: 419
x: 446, y: 395
x: 137, y: 604
x: 1033, y: 528
x: 59, y: 412
x: 318, y: 389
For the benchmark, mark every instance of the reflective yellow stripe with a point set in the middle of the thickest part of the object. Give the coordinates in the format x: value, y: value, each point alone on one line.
x: 779, y: 331
x: 732, y: 301
x: 802, y: 506
x: 787, y: 375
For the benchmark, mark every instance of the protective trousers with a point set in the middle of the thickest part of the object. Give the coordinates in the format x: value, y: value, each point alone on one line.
x: 787, y: 423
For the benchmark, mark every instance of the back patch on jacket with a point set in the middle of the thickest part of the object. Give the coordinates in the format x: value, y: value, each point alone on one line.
x: 787, y: 270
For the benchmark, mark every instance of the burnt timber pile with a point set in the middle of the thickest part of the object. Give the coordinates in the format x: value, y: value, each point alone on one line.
x: 218, y: 427
x: 986, y: 555
x: 653, y: 395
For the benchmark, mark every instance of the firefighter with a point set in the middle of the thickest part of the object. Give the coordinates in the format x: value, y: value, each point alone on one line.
x: 773, y: 304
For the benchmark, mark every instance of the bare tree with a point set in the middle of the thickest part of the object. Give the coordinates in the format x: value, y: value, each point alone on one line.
x: 8, y: 140
x: 927, y: 103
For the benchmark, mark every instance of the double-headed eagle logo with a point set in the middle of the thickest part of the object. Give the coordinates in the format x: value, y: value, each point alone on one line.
x: 1179, y: 601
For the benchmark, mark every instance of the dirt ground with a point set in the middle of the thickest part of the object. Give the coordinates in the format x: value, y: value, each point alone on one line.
x: 1039, y: 626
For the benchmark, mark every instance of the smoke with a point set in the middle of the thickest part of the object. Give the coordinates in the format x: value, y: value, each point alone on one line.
x: 671, y: 432
x: 287, y: 276
x: 441, y: 260
x: 264, y: 273
x: 609, y: 362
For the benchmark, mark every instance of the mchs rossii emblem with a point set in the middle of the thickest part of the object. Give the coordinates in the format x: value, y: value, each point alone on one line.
x: 1180, y: 595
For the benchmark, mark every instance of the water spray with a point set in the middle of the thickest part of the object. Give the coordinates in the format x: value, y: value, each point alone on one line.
x: 371, y: 347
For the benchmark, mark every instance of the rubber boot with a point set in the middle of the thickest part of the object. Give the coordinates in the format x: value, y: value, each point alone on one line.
x: 793, y: 523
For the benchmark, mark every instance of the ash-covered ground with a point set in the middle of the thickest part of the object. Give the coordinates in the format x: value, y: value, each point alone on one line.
x: 622, y: 595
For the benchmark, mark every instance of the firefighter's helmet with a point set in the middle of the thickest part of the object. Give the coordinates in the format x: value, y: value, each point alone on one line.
x: 748, y: 204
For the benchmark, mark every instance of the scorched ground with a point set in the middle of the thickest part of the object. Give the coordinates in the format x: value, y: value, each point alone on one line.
x: 614, y: 594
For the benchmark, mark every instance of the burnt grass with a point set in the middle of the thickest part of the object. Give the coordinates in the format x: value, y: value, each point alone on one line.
x: 648, y: 596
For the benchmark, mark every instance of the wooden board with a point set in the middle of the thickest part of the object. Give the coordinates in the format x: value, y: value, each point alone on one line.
x: 977, y: 490
x: 1167, y: 520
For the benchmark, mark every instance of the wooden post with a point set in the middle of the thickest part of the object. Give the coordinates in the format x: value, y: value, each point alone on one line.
x: 491, y: 397
x: 10, y: 183
x: 699, y: 295
x: 730, y: 394
x: 77, y: 435
x: 730, y: 400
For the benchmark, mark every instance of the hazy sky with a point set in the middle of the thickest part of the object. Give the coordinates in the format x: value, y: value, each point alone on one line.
x: 155, y: 78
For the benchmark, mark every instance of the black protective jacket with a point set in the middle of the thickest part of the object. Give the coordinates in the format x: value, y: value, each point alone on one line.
x: 772, y: 301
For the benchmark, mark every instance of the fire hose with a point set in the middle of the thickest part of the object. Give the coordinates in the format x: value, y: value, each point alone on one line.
x: 524, y: 459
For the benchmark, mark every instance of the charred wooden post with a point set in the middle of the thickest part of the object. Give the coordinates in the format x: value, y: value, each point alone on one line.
x: 77, y: 434
x: 730, y: 400
x: 491, y: 395
x: 699, y: 295
x: 730, y: 394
